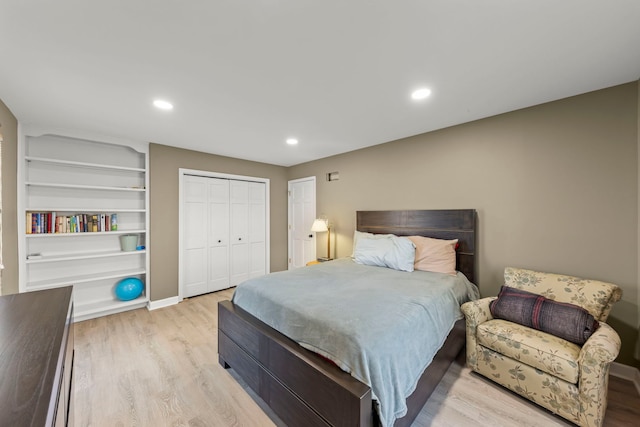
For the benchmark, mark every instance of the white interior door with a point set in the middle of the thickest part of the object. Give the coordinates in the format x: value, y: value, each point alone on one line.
x: 302, y: 212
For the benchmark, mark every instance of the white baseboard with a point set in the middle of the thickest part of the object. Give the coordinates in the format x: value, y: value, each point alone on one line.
x: 626, y: 372
x: 154, y: 305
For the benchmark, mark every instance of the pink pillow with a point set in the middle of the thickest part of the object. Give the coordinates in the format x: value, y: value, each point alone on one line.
x: 435, y: 254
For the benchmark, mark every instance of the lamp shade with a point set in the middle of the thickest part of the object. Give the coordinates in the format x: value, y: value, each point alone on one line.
x: 319, y: 225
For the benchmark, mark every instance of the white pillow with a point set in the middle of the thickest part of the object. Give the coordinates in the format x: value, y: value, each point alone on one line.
x: 361, y: 234
x: 386, y: 250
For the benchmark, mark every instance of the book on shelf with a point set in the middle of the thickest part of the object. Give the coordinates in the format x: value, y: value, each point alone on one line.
x: 53, y: 222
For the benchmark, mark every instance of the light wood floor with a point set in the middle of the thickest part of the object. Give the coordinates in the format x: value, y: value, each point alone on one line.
x: 160, y: 368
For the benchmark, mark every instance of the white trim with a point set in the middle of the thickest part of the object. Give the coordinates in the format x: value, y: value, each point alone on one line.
x: 209, y: 174
x: 154, y: 305
x: 626, y: 372
x: 22, y: 243
x: 36, y: 130
x: 86, y: 314
x: 26, y: 131
x: 181, y: 174
x: 147, y: 223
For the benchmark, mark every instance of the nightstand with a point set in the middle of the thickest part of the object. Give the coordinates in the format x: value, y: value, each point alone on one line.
x: 317, y: 261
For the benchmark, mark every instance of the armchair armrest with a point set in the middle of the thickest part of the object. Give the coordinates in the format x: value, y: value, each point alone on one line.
x: 601, y: 348
x: 475, y: 313
x: 594, y: 361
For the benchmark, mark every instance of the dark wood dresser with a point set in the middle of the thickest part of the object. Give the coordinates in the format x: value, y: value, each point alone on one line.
x: 36, y: 358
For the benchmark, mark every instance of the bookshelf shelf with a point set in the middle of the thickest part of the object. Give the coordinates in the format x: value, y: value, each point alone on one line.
x: 83, y: 278
x: 81, y: 256
x: 107, y: 306
x: 63, y: 176
x: 87, y: 234
x: 78, y: 209
x: 82, y: 164
x: 83, y: 187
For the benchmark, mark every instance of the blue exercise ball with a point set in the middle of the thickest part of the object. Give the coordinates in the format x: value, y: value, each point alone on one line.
x: 129, y: 288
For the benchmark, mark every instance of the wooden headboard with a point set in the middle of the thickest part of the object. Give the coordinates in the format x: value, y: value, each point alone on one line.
x: 458, y: 224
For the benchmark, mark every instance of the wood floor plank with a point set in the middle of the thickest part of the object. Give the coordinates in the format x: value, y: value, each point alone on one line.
x: 160, y: 368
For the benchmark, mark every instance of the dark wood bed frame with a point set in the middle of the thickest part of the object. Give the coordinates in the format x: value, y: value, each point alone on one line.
x: 301, y: 387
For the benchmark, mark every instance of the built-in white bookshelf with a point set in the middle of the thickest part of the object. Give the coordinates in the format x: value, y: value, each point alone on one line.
x: 70, y: 185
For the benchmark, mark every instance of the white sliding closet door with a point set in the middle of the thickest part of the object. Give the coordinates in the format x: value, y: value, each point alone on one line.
x: 248, y: 230
x: 218, y: 225
x: 224, y: 229
x: 195, y: 236
x: 239, y: 198
x: 206, y: 235
x: 257, y: 229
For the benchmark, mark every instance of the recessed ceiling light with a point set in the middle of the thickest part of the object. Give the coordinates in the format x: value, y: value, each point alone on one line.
x: 421, y: 93
x: 292, y: 141
x: 163, y: 105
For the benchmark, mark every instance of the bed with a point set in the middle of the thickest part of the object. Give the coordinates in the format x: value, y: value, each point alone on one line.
x: 303, y: 388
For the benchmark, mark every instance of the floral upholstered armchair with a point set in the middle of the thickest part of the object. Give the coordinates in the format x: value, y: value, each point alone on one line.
x: 569, y: 379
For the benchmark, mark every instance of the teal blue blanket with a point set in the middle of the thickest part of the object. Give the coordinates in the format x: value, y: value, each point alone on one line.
x: 382, y: 326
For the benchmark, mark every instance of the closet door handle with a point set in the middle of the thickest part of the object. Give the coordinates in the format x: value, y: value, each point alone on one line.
x: 310, y: 236
x: 219, y: 241
x: 239, y: 238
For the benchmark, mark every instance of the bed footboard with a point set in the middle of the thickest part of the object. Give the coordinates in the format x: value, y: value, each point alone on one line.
x: 298, y: 385
x: 433, y: 374
x: 304, y: 389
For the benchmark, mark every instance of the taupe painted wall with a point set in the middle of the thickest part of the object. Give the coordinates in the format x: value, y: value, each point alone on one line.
x: 555, y: 186
x: 636, y: 354
x: 9, y: 131
x: 164, y: 162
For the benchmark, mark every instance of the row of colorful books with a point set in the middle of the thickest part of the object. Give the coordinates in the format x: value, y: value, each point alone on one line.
x: 51, y: 222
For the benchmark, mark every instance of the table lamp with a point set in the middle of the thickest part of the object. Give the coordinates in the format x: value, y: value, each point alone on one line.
x: 321, y: 225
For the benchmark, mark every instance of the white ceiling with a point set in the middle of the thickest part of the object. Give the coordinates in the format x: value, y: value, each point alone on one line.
x: 336, y: 74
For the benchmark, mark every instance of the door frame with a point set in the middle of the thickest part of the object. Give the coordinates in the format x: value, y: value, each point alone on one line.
x: 289, y: 215
x: 182, y: 172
